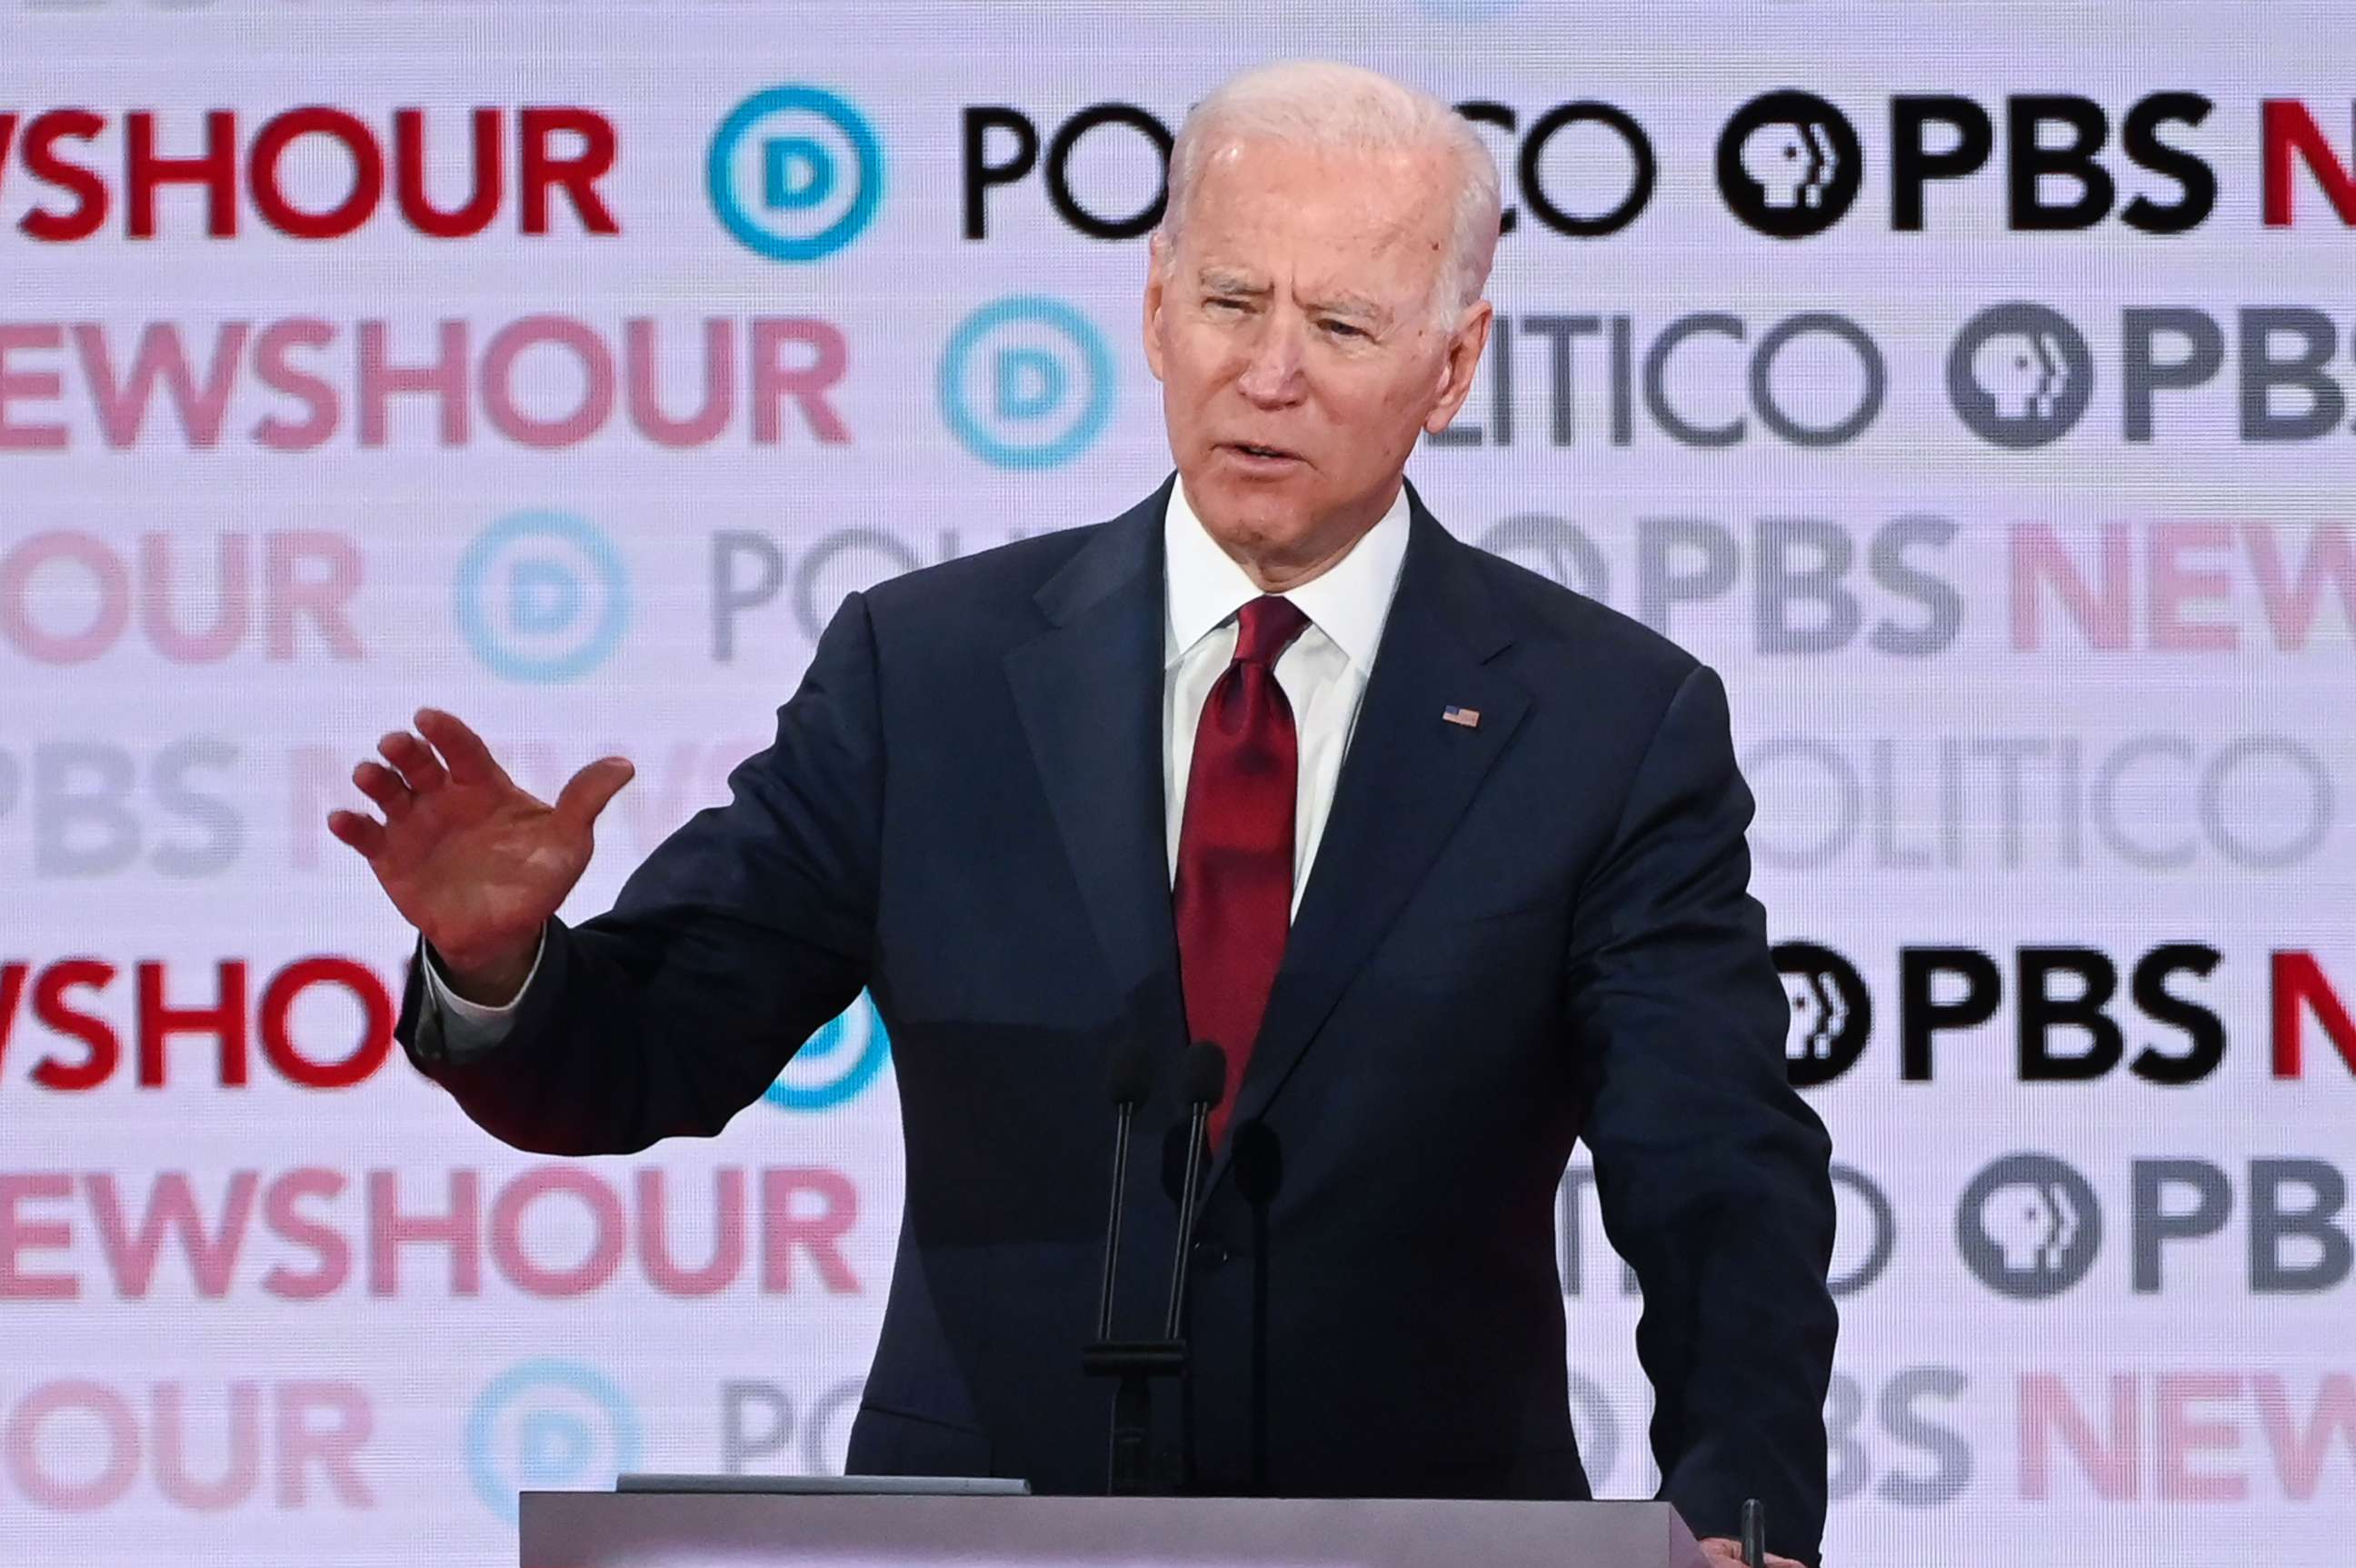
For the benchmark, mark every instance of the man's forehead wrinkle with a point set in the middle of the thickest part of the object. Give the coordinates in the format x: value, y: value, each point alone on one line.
x: 1224, y: 277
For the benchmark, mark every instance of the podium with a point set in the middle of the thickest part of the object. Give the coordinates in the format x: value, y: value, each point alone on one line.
x: 673, y: 1529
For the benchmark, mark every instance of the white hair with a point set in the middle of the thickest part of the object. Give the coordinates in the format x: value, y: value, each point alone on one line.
x: 1327, y: 106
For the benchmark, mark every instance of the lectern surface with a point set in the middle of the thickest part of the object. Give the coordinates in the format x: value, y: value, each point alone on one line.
x: 603, y: 1530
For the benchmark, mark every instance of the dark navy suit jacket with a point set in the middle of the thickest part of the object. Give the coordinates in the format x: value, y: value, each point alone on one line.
x: 1516, y: 934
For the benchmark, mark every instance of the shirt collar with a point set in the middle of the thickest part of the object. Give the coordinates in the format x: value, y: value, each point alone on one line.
x: 1348, y: 601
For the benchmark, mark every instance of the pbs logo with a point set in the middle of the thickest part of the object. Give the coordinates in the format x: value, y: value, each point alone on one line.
x: 794, y: 173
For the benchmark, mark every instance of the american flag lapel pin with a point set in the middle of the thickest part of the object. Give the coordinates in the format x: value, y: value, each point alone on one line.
x: 1468, y: 718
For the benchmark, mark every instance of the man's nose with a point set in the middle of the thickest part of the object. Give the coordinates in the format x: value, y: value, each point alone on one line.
x: 1272, y: 375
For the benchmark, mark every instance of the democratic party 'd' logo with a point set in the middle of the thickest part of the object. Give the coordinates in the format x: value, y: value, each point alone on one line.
x: 541, y: 596
x: 544, y: 1424
x: 794, y: 173
x: 1026, y: 382
x: 836, y: 1063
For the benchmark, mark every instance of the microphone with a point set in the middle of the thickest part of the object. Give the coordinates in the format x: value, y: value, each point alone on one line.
x: 1754, y: 1533
x: 1131, y: 1080
x: 1205, y: 1069
x: 1134, y: 1363
x: 1255, y: 1159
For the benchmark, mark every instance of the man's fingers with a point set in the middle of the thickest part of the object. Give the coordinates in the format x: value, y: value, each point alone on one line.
x: 470, y: 760
x: 418, y: 766
x: 587, y: 792
x: 363, y: 833
x: 384, y: 786
x: 1725, y: 1549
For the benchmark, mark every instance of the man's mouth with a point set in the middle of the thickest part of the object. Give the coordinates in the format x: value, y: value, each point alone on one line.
x: 1251, y: 449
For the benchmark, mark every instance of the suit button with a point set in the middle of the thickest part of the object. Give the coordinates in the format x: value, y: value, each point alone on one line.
x: 1211, y: 1254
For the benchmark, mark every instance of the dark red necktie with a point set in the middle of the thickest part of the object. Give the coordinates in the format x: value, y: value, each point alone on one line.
x: 1233, y: 896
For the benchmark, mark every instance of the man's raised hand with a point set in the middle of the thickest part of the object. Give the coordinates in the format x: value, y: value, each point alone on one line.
x: 475, y: 863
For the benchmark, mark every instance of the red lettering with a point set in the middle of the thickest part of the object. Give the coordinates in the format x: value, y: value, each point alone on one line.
x: 171, y: 1207
x: 359, y: 144
x: 459, y: 1228
x: 2300, y: 986
x: 325, y: 600
x: 375, y: 1029
x: 13, y: 975
x: 606, y: 1225
x: 290, y: 1224
x: 336, y: 1449
x: 19, y: 1236
x: 409, y: 162
x: 662, y: 1271
x: 2106, y: 616
x: 145, y: 171
x: 49, y: 1007
x: 644, y: 359
x: 272, y: 367
x: 88, y: 215
x: 2291, y: 608
x: 2299, y: 1452
x: 774, y: 380
x: 121, y: 405
x: 43, y: 384
x: 783, y: 1231
x: 21, y: 1447
x: 2180, y: 1436
x: 540, y: 169
x: 2286, y: 129
x: 2047, y: 1407
x: 241, y: 1470
x: 223, y: 1019
x: 380, y: 381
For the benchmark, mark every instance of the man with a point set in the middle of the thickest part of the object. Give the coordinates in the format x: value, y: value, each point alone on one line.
x: 1449, y: 859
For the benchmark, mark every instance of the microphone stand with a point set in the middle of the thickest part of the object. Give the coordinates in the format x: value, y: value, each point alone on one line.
x: 1135, y: 1362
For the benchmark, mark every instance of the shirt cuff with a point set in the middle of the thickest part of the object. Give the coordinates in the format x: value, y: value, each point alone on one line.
x: 468, y: 1028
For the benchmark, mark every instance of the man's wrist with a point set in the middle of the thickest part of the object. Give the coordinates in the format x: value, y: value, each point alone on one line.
x: 495, y: 981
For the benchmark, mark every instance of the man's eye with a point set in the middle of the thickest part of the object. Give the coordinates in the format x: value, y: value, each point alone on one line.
x: 1216, y: 303
x: 1343, y: 330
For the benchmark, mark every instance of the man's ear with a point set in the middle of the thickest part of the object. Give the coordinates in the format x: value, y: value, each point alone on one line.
x: 1154, y: 295
x: 1463, y: 357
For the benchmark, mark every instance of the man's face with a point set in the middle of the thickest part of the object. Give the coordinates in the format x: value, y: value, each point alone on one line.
x: 1297, y: 345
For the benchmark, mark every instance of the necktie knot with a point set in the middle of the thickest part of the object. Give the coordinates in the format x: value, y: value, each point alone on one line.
x: 1265, y: 627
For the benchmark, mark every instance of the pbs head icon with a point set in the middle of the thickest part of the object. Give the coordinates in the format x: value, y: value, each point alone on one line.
x: 794, y: 173
x: 1026, y: 382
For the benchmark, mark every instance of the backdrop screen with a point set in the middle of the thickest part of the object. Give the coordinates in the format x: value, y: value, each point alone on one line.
x: 1970, y: 384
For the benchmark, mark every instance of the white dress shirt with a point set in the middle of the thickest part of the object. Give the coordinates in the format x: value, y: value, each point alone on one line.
x: 1324, y: 674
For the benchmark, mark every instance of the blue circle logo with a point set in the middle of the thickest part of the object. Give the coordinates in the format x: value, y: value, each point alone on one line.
x: 541, y: 596
x: 547, y: 1423
x: 836, y: 1063
x: 1026, y: 382
x: 794, y: 173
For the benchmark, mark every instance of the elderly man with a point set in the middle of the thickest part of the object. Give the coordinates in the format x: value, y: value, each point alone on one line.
x: 1449, y: 859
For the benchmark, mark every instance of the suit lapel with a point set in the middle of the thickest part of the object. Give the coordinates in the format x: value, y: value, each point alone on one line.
x: 1090, y: 693
x: 1406, y: 782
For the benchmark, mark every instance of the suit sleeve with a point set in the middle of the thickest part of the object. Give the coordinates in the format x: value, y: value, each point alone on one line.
x: 1713, y: 1175
x: 745, y: 930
